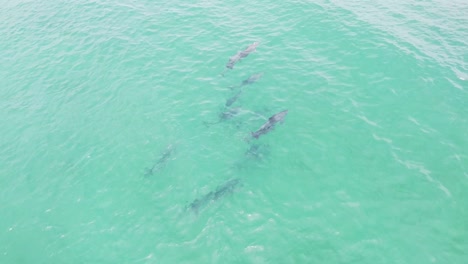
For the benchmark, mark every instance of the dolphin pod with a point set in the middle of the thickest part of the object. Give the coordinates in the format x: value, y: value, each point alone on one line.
x: 270, y: 124
x: 256, y: 150
x: 221, y: 191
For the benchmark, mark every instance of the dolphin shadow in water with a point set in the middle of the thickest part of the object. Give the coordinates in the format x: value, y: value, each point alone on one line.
x: 161, y: 162
x: 222, y: 190
x: 240, y: 55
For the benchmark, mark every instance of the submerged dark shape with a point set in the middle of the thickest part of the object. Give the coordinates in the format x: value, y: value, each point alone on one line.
x: 240, y: 55
x: 221, y: 191
x: 270, y: 124
x: 252, y: 78
x: 225, y: 115
x: 231, y: 100
x: 161, y: 162
x: 257, y: 151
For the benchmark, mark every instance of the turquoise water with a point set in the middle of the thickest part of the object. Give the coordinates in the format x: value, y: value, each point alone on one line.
x: 369, y: 166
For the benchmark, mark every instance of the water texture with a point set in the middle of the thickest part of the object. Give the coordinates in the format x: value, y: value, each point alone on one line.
x: 116, y: 144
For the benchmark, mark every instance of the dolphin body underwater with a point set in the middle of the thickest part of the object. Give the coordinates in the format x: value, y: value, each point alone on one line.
x: 270, y: 124
x: 223, y: 116
x: 161, y: 162
x: 233, y: 99
x: 252, y: 78
x: 240, y: 55
x: 221, y: 191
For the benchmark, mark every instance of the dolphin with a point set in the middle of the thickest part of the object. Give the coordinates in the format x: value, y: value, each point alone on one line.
x: 240, y: 55
x: 252, y: 78
x: 225, y: 115
x: 270, y: 124
x: 251, y: 48
x: 161, y: 161
x: 231, y: 100
x: 221, y: 191
x: 257, y: 151
x: 233, y: 60
x: 227, y: 188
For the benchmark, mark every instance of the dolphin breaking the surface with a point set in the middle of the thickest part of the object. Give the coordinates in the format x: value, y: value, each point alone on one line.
x: 270, y: 124
x: 221, y: 191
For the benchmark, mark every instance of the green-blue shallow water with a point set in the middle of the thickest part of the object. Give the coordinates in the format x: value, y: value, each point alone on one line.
x: 369, y: 166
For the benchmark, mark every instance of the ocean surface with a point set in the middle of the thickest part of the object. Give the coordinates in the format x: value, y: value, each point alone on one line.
x: 116, y: 145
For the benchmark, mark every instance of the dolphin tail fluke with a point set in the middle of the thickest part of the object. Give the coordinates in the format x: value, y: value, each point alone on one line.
x: 195, y: 211
x: 208, y: 124
x: 148, y: 172
x: 247, y: 139
x: 223, y: 72
x: 193, y: 208
x: 254, y: 135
